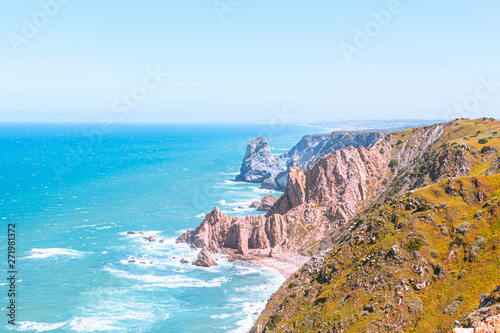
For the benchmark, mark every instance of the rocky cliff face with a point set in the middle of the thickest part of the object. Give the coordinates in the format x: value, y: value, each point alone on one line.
x: 404, y: 266
x: 312, y: 148
x: 486, y: 319
x: 403, y: 235
x: 417, y: 259
x: 259, y: 165
x: 314, y: 203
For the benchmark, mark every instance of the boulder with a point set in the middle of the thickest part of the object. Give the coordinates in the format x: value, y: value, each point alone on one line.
x: 205, y: 259
x: 266, y: 203
x: 184, y: 261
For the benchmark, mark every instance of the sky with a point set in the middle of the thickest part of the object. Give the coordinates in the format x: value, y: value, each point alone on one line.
x: 242, y: 60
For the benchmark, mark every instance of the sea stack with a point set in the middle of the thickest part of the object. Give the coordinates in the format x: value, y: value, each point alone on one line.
x: 259, y: 165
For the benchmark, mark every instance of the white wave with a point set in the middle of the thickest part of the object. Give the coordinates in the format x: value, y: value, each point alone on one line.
x: 84, y: 226
x: 173, y: 281
x: 92, y: 324
x: 245, y: 203
x: 222, y: 202
x: 138, y: 233
x: 38, y: 327
x: 105, y: 227
x: 51, y: 252
x: 221, y: 316
x: 200, y: 215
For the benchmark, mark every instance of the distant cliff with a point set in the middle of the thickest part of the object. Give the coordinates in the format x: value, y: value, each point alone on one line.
x: 262, y: 167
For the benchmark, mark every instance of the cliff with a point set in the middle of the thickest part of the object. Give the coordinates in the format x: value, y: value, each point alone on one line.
x: 416, y: 264
x: 403, y: 235
x: 419, y: 257
x: 314, y: 203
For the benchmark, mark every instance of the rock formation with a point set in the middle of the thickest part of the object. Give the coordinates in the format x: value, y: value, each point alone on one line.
x: 486, y: 318
x: 381, y: 268
x: 259, y: 165
x: 205, y: 259
x: 312, y: 148
x: 264, y: 204
x: 313, y: 204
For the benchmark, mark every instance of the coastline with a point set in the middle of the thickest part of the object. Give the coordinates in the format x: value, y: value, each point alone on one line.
x: 286, y: 267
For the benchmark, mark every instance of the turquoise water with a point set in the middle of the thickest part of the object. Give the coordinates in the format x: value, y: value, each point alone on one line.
x: 72, y: 212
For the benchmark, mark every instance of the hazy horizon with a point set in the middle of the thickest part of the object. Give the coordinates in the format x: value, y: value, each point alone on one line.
x: 239, y: 60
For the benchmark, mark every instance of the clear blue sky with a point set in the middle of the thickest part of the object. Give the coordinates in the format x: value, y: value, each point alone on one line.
x: 263, y: 55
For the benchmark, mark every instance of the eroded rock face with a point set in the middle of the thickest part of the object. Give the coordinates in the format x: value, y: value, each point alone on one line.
x: 294, y: 195
x: 259, y: 164
x: 337, y: 182
x: 486, y: 318
x: 264, y: 204
x: 311, y: 148
x: 205, y: 259
x: 314, y: 203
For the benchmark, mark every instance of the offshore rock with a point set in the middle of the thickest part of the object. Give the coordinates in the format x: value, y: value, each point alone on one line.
x: 259, y: 165
x: 205, y: 259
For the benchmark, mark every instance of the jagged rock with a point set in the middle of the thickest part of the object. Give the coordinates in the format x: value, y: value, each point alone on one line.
x: 311, y: 148
x: 266, y: 203
x: 259, y: 164
x: 130, y: 232
x: 184, y: 261
x: 294, y: 195
x: 149, y: 239
x: 205, y: 259
x: 255, y: 204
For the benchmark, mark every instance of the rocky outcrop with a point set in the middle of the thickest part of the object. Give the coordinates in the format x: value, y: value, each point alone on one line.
x: 337, y: 182
x: 259, y: 165
x: 264, y: 204
x: 294, y: 195
x: 314, y: 203
x: 205, y: 259
x: 312, y: 148
x: 486, y: 318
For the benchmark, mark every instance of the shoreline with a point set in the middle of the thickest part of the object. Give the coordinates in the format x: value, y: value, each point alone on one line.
x: 285, y: 267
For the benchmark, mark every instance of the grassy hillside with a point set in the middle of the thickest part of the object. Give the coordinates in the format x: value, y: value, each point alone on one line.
x: 420, y: 259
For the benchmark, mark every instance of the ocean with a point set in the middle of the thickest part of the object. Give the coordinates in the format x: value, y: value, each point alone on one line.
x: 73, y: 192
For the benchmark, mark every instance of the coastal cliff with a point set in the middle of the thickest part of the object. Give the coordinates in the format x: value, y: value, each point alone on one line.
x: 420, y: 257
x: 401, y: 235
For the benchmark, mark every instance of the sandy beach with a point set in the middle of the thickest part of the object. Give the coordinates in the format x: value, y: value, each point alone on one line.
x: 286, y: 265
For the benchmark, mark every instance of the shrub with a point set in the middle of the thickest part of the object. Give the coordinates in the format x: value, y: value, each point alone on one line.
x: 291, y: 285
x: 483, y: 141
x: 381, y: 151
x: 273, y: 321
x: 399, y: 142
x: 463, y: 228
x: 434, y: 254
x: 486, y: 149
x: 415, y: 244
